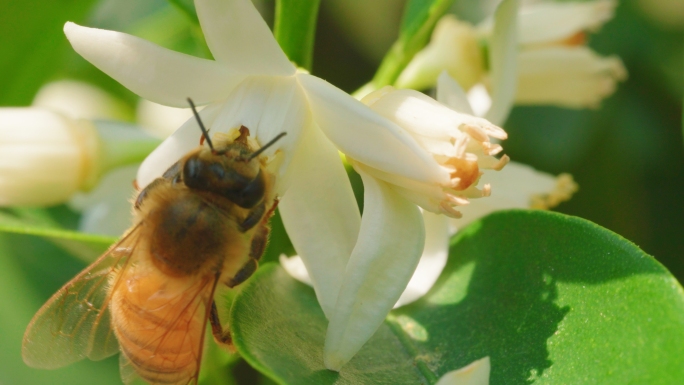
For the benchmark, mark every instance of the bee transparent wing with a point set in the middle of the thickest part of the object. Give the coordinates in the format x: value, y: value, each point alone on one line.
x: 174, y: 354
x: 75, y: 322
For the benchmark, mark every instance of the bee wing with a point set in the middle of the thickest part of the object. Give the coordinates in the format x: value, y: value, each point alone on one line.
x: 174, y: 355
x: 75, y: 322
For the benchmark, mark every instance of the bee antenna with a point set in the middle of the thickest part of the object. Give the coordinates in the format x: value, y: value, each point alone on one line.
x: 199, y: 121
x: 265, y: 146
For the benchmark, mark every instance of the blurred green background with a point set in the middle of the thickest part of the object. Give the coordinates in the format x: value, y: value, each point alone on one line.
x: 627, y: 156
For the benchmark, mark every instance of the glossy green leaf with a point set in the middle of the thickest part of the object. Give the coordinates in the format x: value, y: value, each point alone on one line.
x: 420, y: 18
x: 551, y: 299
x: 295, y: 29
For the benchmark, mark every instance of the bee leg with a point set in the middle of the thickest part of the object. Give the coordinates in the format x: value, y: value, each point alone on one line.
x: 143, y: 194
x: 241, y: 276
x: 259, y: 241
x: 253, y: 218
x: 221, y: 336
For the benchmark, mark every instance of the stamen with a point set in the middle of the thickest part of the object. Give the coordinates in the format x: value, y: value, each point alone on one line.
x: 458, y: 200
x: 475, y: 132
x: 501, y: 163
x: 449, y: 211
x: 486, y: 190
x: 460, y: 146
x: 491, y: 149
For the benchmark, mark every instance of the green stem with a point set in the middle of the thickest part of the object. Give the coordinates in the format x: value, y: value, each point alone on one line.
x: 414, y: 36
x: 295, y: 29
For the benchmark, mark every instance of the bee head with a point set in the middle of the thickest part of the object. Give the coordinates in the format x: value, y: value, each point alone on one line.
x: 231, y: 170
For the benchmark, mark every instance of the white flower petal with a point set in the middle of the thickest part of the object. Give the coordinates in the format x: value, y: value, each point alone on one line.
x: 80, y: 100
x: 364, y: 135
x: 155, y: 73
x: 515, y: 186
x: 454, y: 47
x: 296, y: 268
x: 185, y: 139
x: 574, y: 77
x: 433, y: 260
x: 160, y: 120
x: 450, y: 93
x: 268, y: 106
x: 106, y: 209
x: 553, y: 21
x: 320, y: 215
x: 477, y: 373
x: 239, y: 38
x: 502, y: 53
x: 479, y: 98
x: 388, y: 249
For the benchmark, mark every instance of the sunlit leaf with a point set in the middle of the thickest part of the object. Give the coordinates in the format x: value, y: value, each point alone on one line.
x: 551, y: 299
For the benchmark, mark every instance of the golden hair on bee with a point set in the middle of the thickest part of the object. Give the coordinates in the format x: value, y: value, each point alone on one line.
x: 202, y: 224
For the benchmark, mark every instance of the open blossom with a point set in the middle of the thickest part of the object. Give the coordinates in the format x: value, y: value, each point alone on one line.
x: 552, y: 62
x: 460, y: 147
x: 460, y: 144
x: 252, y: 83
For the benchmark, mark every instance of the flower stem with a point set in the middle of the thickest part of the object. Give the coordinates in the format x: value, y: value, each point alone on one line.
x: 295, y: 29
x: 420, y: 18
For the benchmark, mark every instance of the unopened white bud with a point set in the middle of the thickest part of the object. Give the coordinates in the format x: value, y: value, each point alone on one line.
x: 454, y: 47
x: 44, y: 157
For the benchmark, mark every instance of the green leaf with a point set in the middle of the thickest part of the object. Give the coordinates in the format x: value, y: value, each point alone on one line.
x: 33, y: 44
x: 420, y: 18
x: 295, y: 29
x: 551, y: 299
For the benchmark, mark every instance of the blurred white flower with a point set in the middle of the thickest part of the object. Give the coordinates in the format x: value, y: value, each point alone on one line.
x: 477, y: 373
x: 544, y: 44
x: 554, y: 64
x: 80, y: 100
x: 45, y: 156
x: 252, y: 83
x: 160, y: 120
x: 106, y: 209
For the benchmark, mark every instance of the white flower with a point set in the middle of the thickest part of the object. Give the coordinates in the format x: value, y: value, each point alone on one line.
x: 477, y: 373
x: 543, y: 44
x: 80, y: 100
x: 106, y: 209
x: 459, y: 147
x: 554, y: 65
x: 454, y: 47
x: 45, y: 157
x: 515, y: 186
x: 160, y: 120
x: 252, y: 83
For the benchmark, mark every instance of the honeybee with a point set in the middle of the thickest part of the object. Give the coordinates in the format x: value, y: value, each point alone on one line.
x: 202, y: 224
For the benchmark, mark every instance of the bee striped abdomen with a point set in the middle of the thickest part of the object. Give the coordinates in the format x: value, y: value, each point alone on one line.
x: 159, y: 323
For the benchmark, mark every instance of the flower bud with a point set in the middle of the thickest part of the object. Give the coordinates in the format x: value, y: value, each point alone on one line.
x: 46, y: 157
x: 454, y: 47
